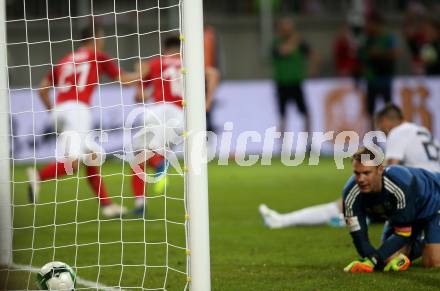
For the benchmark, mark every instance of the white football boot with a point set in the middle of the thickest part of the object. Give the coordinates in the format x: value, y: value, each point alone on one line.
x: 271, y: 218
x: 113, y: 211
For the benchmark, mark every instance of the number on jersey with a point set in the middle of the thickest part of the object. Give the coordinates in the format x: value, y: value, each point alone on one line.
x: 71, y: 74
x: 432, y: 149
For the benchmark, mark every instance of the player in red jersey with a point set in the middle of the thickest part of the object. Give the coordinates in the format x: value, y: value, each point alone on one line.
x: 74, y: 79
x: 163, y: 117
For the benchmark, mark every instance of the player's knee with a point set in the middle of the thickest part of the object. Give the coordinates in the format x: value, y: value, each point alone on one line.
x: 94, y: 159
x: 70, y: 165
x: 431, y: 264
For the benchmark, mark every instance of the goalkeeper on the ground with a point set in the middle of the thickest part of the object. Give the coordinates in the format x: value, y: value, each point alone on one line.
x: 408, y: 198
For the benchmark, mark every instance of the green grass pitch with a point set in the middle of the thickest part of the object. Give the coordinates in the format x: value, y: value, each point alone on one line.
x: 244, y: 254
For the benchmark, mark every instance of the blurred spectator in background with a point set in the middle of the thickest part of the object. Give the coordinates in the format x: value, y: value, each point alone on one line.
x: 210, y: 46
x: 345, y: 51
x: 430, y: 50
x: 378, y: 55
x: 212, y: 74
x: 415, y: 34
x: 293, y: 61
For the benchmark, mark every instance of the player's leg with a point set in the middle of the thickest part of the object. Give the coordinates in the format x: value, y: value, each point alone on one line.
x: 314, y: 215
x: 302, y: 108
x: 158, y: 163
x: 138, y: 188
x: 283, y: 96
x: 301, y: 105
x: 108, y: 209
x: 151, y: 139
x: 140, y: 146
x: 371, y: 96
x: 96, y: 182
x: 170, y: 117
x: 431, y: 256
x: 431, y: 250
x: 413, y: 250
x: 145, y: 141
x: 67, y: 150
x: 91, y: 154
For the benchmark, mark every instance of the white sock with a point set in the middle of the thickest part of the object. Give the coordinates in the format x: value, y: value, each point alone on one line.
x: 139, y: 202
x: 314, y: 215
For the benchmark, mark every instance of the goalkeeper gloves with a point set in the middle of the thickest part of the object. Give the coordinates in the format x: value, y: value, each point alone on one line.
x: 398, y: 263
x: 360, y: 266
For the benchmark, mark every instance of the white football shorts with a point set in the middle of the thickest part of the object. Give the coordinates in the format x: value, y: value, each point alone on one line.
x: 73, y: 124
x: 163, y: 127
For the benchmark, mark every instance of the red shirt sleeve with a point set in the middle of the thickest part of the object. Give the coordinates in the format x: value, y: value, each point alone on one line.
x: 108, y: 66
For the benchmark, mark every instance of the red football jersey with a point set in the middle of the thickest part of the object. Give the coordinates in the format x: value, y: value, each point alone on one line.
x: 77, y: 74
x: 166, y: 79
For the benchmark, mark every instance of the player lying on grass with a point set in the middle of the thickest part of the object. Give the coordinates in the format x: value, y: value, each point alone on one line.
x: 407, y: 144
x: 408, y: 198
x: 74, y: 79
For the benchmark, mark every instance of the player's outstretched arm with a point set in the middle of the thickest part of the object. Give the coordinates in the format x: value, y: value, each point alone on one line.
x: 45, y: 85
x: 129, y: 78
x: 142, y: 69
x: 366, y: 265
x: 111, y: 68
x: 140, y: 96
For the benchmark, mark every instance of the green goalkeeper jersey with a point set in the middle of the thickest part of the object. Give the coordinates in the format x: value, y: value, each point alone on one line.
x: 290, y: 69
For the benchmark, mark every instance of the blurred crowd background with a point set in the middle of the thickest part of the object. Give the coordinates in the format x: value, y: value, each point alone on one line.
x: 245, y: 29
x: 338, y: 60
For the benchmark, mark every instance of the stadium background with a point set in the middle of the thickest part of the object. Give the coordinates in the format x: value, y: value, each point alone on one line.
x: 242, y: 54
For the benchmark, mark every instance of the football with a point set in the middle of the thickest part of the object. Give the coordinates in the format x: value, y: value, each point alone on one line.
x: 56, y: 276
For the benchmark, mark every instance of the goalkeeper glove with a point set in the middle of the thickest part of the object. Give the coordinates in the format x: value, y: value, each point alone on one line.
x: 398, y: 263
x: 360, y: 266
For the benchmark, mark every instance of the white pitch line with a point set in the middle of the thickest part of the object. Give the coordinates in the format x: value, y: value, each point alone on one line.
x: 79, y: 280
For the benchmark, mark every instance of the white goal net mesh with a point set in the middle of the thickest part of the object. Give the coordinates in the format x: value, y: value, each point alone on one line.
x: 114, y: 241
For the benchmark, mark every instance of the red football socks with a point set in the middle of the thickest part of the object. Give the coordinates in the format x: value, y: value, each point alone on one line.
x: 53, y: 170
x: 138, y: 184
x: 95, y: 181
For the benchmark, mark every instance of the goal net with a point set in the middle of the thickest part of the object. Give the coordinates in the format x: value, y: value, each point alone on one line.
x: 86, y: 186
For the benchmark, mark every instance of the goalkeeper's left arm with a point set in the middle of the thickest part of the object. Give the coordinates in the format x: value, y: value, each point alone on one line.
x: 377, y: 258
x: 372, y: 258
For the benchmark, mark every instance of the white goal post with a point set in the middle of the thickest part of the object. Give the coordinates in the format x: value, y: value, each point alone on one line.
x: 197, y: 177
x: 5, y: 179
